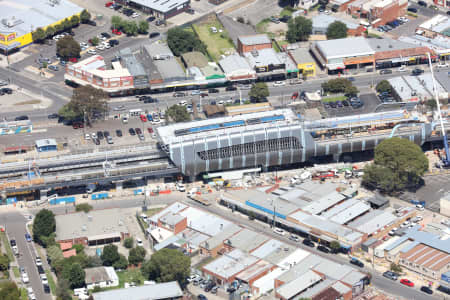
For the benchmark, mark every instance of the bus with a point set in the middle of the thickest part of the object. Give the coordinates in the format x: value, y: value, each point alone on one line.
x: 136, y: 112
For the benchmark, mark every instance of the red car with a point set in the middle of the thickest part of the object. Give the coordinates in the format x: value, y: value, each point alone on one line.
x: 407, y: 282
x: 116, y: 32
x: 108, y: 4
x: 143, y: 118
x: 294, y: 96
x: 73, y: 59
x: 150, y: 130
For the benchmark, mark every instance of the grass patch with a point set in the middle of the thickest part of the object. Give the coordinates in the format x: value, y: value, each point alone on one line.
x: 51, y: 282
x: 28, y: 102
x: 5, y: 242
x: 334, y: 99
x: 261, y: 27
x: 287, y: 11
x: 217, y: 43
x: 23, y: 294
x: 275, y: 47
x: 16, y: 272
x: 131, y: 275
x: 152, y: 211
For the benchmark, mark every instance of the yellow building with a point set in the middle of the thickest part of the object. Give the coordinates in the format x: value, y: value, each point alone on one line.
x: 305, y: 62
x: 19, y: 18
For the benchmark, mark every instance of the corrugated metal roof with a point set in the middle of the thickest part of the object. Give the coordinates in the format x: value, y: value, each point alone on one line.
x: 162, y: 6
x: 166, y: 290
x: 234, y: 62
x: 429, y: 239
x: 348, y: 47
x: 311, y: 292
x: 374, y: 224
x: 255, y: 39
x: 290, y: 289
x: 318, y: 206
x: 231, y: 263
x: 350, y: 213
x: 267, y: 248
x: 322, y: 21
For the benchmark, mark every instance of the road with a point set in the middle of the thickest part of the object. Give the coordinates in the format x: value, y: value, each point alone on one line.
x: 391, y: 287
x: 15, y: 224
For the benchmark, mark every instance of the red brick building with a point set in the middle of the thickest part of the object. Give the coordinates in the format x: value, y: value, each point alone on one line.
x: 442, y: 3
x: 173, y: 222
x: 377, y: 12
x: 249, y: 43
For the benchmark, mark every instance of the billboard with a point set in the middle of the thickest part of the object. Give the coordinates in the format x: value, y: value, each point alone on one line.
x: 7, y: 37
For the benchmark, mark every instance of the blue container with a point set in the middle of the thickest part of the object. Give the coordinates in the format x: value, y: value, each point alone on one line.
x: 137, y: 192
x: 63, y: 200
x: 99, y: 196
x: 11, y: 200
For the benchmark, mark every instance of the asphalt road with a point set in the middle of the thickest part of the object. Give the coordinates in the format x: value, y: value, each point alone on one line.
x: 15, y: 224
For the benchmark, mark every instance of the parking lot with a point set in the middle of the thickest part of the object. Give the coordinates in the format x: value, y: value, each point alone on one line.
x: 370, y: 101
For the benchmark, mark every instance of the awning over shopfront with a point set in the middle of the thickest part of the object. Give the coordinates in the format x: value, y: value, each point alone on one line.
x: 9, y: 47
x: 399, y: 59
x: 339, y: 66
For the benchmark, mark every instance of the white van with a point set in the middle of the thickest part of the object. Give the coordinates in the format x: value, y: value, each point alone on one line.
x: 125, y: 120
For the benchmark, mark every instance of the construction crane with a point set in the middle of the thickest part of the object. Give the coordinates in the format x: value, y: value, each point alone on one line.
x: 446, y: 160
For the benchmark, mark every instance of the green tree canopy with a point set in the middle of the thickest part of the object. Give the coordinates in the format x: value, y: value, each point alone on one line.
x: 340, y: 85
x: 86, y: 207
x: 67, y: 47
x: 178, y: 113
x: 121, y: 264
x: 50, y: 31
x: 93, y: 261
x: 75, y: 20
x: 38, y: 35
x: 181, y: 41
x: 396, y: 268
x: 136, y: 255
x: 66, y: 24
x: 74, y: 274
x: 130, y: 28
x: 9, y: 291
x: 128, y: 243
x: 87, y: 99
x: 384, y: 86
x: 62, y: 290
x: 44, y: 225
x: 167, y: 265
x: 398, y: 164
x: 337, y: 30
x: 85, y: 16
x: 59, y: 27
x: 259, y: 92
x: 4, y: 262
x: 110, y: 255
x: 143, y: 27
x: 95, y: 41
x: 335, y: 245
x: 116, y: 22
x: 299, y: 29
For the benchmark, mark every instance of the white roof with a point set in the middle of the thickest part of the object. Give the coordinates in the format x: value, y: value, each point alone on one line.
x: 204, y: 222
x: 166, y: 290
x: 266, y: 283
x: 350, y: 213
x: 230, y: 263
x: 318, y: 206
x: 161, y: 234
x: 173, y: 208
x: 348, y: 47
x: 290, y: 289
x: 161, y: 5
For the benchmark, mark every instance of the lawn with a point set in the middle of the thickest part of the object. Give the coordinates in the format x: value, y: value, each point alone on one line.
x: 150, y: 212
x: 16, y: 272
x: 131, y: 275
x: 334, y: 99
x: 5, y: 241
x: 261, y: 27
x: 217, y: 43
x: 51, y: 282
x: 287, y: 11
x: 23, y: 294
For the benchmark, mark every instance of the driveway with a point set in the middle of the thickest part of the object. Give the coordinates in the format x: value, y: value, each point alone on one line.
x: 234, y: 28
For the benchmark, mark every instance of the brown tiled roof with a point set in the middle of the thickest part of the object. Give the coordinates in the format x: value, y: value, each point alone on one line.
x: 427, y: 257
x: 403, y: 52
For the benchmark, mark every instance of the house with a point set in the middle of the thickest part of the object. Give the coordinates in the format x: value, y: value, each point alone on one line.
x: 101, y: 276
x: 159, y: 291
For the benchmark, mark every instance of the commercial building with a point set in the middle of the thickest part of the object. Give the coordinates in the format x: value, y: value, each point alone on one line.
x: 203, y: 70
x: 436, y: 26
x: 250, y: 43
x: 102, y: 277
x: 158, y: 291
x: 377, y: 12
x: 46, y: 145
x: 442, y: 3
x: 160, y: 9
x: 93, y: 71
x: 97, y: 227
x: 419, y: 88
x: 19, y: 18
x: 321, y: 22
x: 306, y: 64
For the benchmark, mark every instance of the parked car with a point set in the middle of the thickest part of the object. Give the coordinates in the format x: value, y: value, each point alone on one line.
x: 131, y: 131
x: 25, y: 278
x: 21, y: 118
x: 390, y: 275
x: 357, y: 262
x: 100, y: 135
x: 28, y: 237
x: 202, y: 297
x: 119, y: 133
x: 46, y: 288
x: 230, y: 88
x: 308, y: 242
x: 154, y: 34
x: 323, y: 249
x: 387, y: 71
x: 151, y: 19
x: 407, y: 282
x: 212, y: 91
x: 53, y: 68
x: 40, y: 269
x: 279, y: 83
x: 179, y: 94
x: 53, y: 116
x: 422, y: 3
x: 417, y: 72
x: 294, y: 238
x: 279, y: 231
x: 426, y: 289
x: 44, y: 279
x: 6, y: 91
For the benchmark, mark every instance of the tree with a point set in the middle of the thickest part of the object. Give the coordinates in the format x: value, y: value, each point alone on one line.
x: 62, y: 290
x: 259, y: 92
x: 67, y: 47
x: 398, y: 164
x: 351, y: 91
x: 86, y: 207
x: 181, y: 41
x: 95, y: 40
x: 167, y: 265
x: 66, y: 24
x: 38, y: 35
x: 338, y: 85
x: 44, y: 225
x: 85, y: 100
x: 78, y: 247
x: 54, y: 253
x: 50, y: 31
x: 4, y: 263
x: 178, y: 113
x: 128, y: 243
x: 130, y: 28
x: 93, y: 261
x: 116, y: 22
x: 383, y: 86
x: 74, y: 274
x: 299, y: 29
x: 59, y: 28
x: 121, y: 264
x: 396, y: 268
x: 110, y: 255
x: 85, y: 16
x: 136, y: 255
x: 143, y: 27
x: 75, y: 20
x: 335, y: 245
x: 337, y: 30
x: 9, y: 291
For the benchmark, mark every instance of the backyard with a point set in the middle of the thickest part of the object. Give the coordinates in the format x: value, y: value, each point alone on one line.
x: 215, y: 37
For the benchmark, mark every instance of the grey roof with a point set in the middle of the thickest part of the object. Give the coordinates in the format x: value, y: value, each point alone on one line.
x: 302, y: 55
x: 91, y: 225
x: 156, y: 291
x: 173, y: 208
x: 234, y: 62
x: 131, y: 63
x: 341, y: 288
x: 332, y: 269
x: 96, y: 275
x: 46, y: 142
x: 294, y: 287
x: 339, y: 208
x: 374, y: 222
x: 356, y: 46
x: 255, y: 39
x: 164, y: 60
x: 387, y: 44
x: 262, y: 58
x: 319, y: 205
x: 269, y: 201
x: 370, y: 242
x: 163, y: 6
x: 377, y: 199
x: 422, y: 237
x: 29, y: 15
x: 301, y: 268
x: 268, y: 247
x: 231, y: 263
x: 353, y: 277
x: 322, y: 21
x: 309, y: 293
x: 172, y: 219
x: 280, y: 254
x: 247, y: 240
x: 350, y: 213
x: 218, y: 239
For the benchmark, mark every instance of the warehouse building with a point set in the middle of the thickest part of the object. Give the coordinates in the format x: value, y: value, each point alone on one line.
x: 162, y: 9
x: 158, y: 291
x: 19, y: 18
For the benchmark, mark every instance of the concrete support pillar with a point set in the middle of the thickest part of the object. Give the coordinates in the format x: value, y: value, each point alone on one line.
x: 336, y: 157
x: 43, y: 194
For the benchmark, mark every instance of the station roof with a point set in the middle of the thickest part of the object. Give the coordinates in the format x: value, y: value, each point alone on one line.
x: 347, y: 47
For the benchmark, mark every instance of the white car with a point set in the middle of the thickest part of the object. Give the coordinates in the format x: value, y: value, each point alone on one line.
x: 91, y: 51
x: 83, y: 44
x: 135, y: 15
x: 420, y: 207
x: 100, y: 47
x: 106, y: 45
x: 25, y: 278
x: 442, y: 65
x: 220, y: 102
x: 94, y: 135
x: 102, y: 38
x: 192, y: 278
x: 279, y: 83
x: 38, y: 261
x: 279, y: 231
x: 182, y: 103
x: 87, y: 136
x: 44, y: 279
x: 419, y: 218
x: 139, y: 242
x: 30, y: 292
x: 402, y: 69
